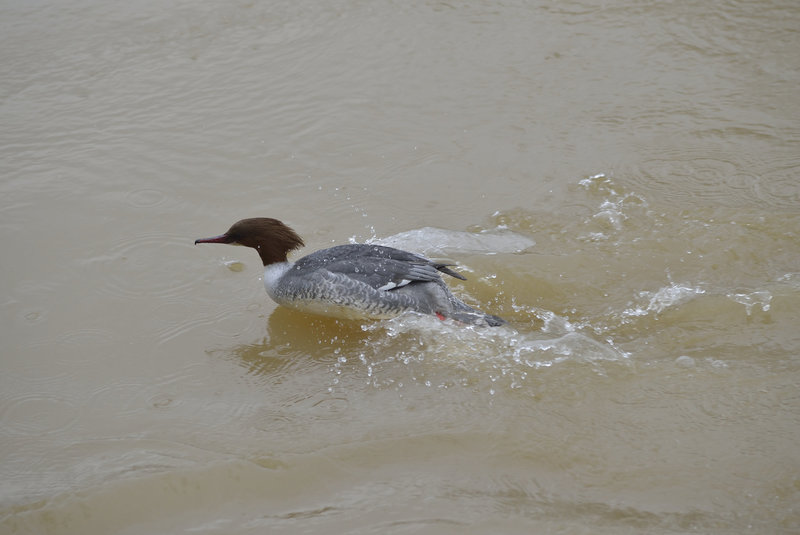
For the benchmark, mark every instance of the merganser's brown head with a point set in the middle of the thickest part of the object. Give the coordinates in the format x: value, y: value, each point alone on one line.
x: 271, y: 238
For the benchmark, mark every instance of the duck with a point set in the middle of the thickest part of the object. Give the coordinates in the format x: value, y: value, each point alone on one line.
x: 353, y: 281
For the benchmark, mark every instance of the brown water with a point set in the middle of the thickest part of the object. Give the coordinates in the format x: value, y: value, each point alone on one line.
x: 635, y: 168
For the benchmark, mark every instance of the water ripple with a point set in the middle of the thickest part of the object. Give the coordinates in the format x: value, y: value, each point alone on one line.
x: 718, y: 176
x: 35, y: 414
x: 140, y: 266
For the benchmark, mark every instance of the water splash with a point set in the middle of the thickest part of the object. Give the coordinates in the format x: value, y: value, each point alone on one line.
x: 662, y: 299
x: 444, y: 354
x: 760, y: 298
x: 436, y: 241
x: 614, y: 207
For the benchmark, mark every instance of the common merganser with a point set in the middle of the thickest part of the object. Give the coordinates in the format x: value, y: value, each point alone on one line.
x: 354, y: 281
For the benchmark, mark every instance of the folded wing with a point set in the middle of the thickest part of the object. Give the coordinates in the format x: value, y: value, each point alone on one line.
x: 382, y: 268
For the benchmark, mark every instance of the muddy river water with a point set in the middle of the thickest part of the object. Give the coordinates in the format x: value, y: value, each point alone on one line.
x: 619, y: 180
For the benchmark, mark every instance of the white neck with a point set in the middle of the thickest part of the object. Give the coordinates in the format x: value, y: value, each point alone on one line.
x: 272, y: 276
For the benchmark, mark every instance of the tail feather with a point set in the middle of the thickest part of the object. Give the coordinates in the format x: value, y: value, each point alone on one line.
x: 444, y: 268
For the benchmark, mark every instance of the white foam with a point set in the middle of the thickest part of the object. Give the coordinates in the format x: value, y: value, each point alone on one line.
x: 437, y: 241
x: 761, y: 298
x: 664, y: 298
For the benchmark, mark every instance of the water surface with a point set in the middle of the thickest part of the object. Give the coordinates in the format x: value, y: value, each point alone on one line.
x: 620, y: 182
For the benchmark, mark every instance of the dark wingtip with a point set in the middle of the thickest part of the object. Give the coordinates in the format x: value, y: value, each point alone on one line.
x: 444, y: 269
x: 494, y: 321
